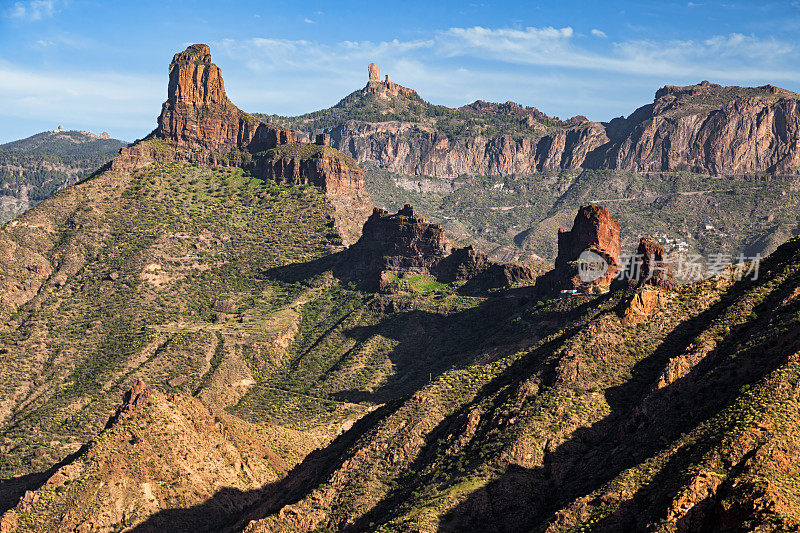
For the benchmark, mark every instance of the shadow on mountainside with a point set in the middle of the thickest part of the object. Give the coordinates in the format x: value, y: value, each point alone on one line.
x: 226, y: 507
x: 430, y: 343
x: 12, y: 489
x: 231, y: 509
x: 642, y: 423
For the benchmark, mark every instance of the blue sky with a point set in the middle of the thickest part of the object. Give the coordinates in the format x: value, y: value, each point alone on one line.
x: 102, y: 65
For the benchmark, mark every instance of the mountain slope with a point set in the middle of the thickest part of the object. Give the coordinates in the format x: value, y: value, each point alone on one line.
x: 206, y: 261
x: 686, y: 421
x: 160, y: 452
x: 32, y: 169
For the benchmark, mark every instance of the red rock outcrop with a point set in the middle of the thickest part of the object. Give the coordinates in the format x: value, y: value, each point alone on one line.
x: 199, y: 124
x: 405, y: 242
x: 653, y: 268
x: 595, y: 232
x: 134, y: 399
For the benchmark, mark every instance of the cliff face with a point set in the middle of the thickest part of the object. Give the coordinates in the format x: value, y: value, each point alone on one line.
x: 708, y: 128
x: 594, y: 231
x: 199, y: 124
x: 412, y: 149
x: 702, y: 128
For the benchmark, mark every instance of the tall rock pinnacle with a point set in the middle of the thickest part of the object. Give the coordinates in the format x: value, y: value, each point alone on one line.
x: 595, y: 230
x: 198, y: 113
x: 374, y: 72
x: 200, y: 125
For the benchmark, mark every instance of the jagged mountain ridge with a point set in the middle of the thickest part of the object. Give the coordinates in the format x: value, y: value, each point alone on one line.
x: 704, y: 128
x: 433, y: 411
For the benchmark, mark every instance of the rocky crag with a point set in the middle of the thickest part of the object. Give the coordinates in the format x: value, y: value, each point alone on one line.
x: 199, y: 124
x: 404, y: 243
x: 594, y: 235
x: 707, y: 128
x: 704, y: 128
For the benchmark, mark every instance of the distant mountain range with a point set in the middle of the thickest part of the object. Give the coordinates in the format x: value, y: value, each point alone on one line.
x: 186, y: 344
x: 711, y: 169
x: 704, y: 128
x: 33, y: 168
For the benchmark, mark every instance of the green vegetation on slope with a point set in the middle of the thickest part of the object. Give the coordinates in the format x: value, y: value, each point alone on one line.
x: 747, y: 215
x: 453, y: 123
x: 149, y: 256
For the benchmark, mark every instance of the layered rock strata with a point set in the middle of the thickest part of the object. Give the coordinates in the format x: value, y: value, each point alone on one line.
x: 703, y: 128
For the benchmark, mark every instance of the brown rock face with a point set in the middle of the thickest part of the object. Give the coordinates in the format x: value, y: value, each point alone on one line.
x: 407, y: 243
x: 707, y: 128
x: 595, y: 230
x: 200, y: 121
x: 404, y: 241
x: 401, y: 147
x: 199, y: 124
x: 374, y: 72
x: 641, y: 306
x: 133, y: 400
x: 653, y: 269
x: 703, y: 128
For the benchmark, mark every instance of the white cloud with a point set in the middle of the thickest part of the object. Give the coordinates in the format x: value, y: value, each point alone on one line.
x: 32, y: 10
x: 729, y: 57
x: 100, y: 100
x: 458, y: 65
x: 551, y: 68
x: 308, y: 21
x: 599, y: 33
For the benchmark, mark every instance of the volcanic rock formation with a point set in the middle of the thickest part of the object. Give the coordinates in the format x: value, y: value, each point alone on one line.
x: 649, y: 275
x: 652, y: 268
x: 199, y: 124
x: 406, y: 243
x: 594, y: 237
x: 386, y: 87
x: 707, y: 128
x: 704, y: 128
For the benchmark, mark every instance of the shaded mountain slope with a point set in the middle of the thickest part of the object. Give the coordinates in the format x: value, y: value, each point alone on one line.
x: 160, y: 451
x: 687, y: 421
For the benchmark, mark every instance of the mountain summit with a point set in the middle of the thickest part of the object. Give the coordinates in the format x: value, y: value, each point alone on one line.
x: 199, y: 124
